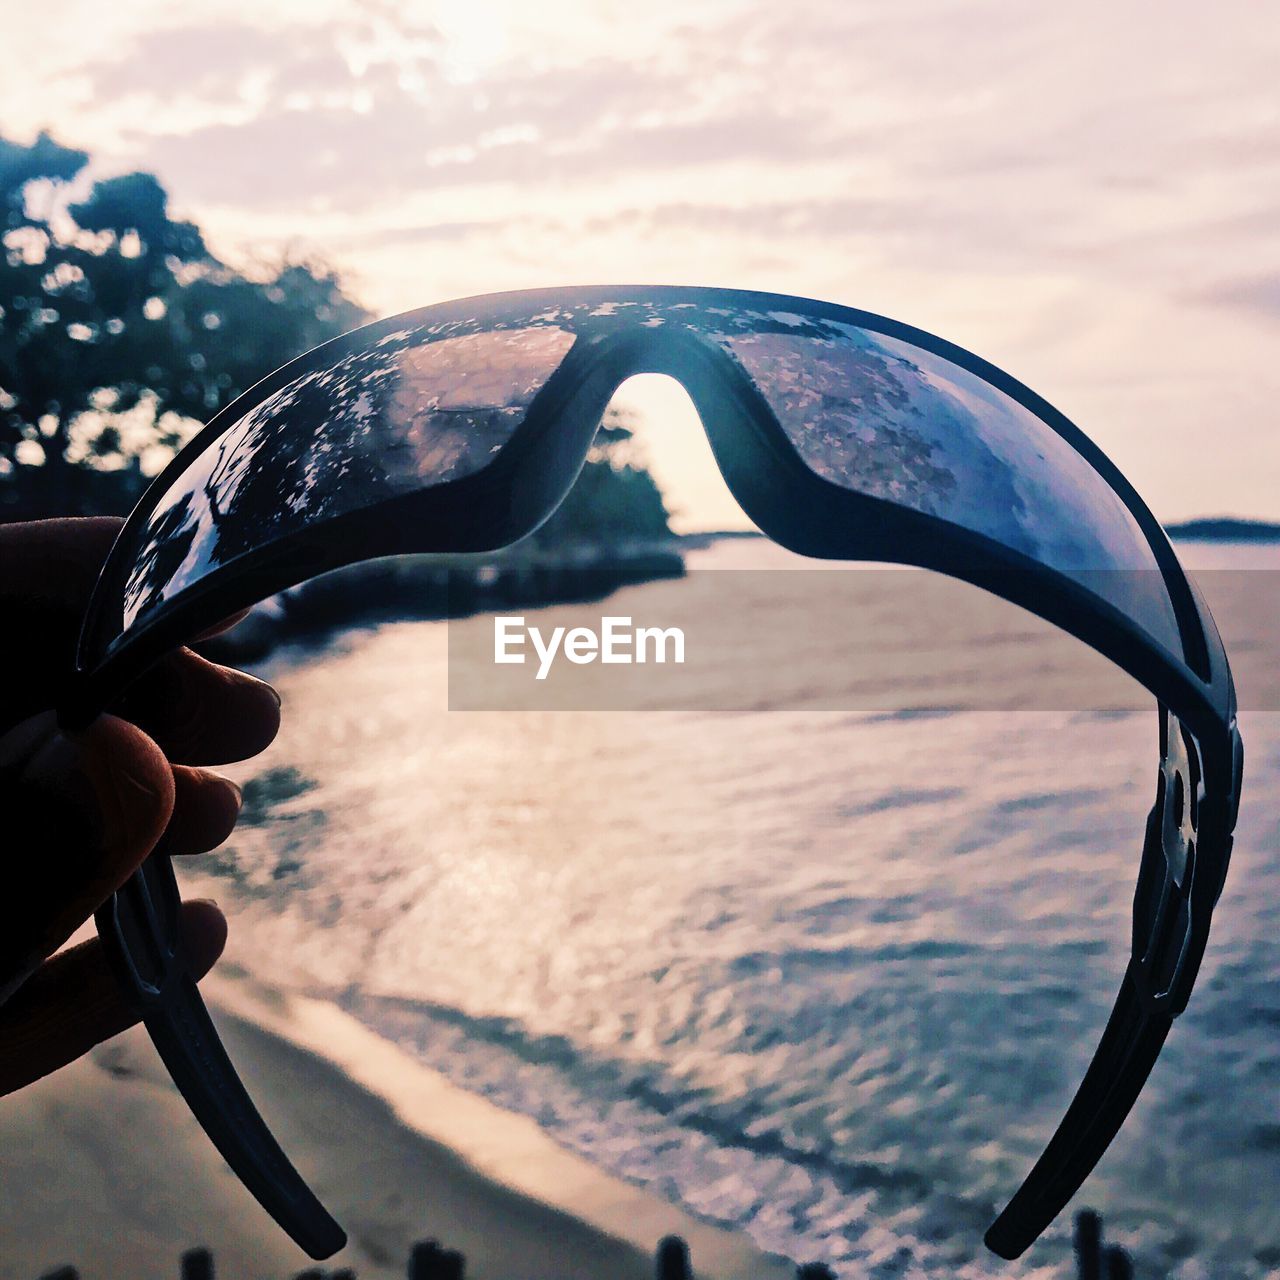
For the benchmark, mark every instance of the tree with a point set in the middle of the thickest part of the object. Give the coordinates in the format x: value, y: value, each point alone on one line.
x: 614, y: 501
x: 368, y: 427
x: 119, y: 330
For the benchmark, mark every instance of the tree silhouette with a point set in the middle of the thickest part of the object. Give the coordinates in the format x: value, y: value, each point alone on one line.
x: 615, y: 499
x: 118, y: 328
x: 414, y: 409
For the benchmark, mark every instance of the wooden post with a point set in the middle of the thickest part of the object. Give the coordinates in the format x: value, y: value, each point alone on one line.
x: 1118, y: 1265
x: 422, y: 1260
x: 197, y: 1264
x: 672, y: 1260
x: 1088, y: 1244
x: 428, y: 1261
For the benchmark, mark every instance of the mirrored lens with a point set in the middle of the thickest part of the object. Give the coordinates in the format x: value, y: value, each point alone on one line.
x: 889, y: 419
x: 415, y: 408
x: 435, y: 402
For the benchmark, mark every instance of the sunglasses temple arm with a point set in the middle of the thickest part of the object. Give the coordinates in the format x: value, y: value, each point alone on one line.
x: 1128, y: 1050
x: 140, y: 926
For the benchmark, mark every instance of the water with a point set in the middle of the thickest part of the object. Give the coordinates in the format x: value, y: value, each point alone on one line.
x: 828, y: 977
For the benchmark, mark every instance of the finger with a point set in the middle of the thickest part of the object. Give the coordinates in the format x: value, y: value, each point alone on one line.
x: 56, y: 561
x: 47, y: 571
x: 205, y: 808
x: 81, y: 812
x: 73, y: 1002
x: 202, y: 713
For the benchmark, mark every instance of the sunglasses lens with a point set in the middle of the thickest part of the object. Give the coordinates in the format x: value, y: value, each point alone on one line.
x: 891, y: 420
x: 413, y: 409
x: 432, y: 403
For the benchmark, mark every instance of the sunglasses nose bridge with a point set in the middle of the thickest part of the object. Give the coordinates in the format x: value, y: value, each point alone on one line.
x: 759, y: 464
x: 631, y: 349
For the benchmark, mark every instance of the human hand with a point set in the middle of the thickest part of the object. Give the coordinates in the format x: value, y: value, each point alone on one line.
x: 79, y: 812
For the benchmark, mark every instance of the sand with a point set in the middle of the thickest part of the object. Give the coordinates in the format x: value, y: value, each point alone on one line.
x: 104, y: 1168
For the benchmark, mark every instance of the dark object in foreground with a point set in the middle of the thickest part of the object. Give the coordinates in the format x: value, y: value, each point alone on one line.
x: 672, y: 1260
x: 1094, y: 1261
x: 461, y: 428
x: 197, y: 1264
x: 429, y: 1260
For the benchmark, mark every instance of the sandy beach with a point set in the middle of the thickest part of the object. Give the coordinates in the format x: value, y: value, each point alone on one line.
x: 105, y: 1169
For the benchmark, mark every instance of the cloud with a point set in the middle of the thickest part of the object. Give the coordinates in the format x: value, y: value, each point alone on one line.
x: 1086, y: 193
x: 212, y: 61
x: 1258, y: 294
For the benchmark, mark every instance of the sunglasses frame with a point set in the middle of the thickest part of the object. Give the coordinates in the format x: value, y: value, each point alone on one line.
x: 522, y: 486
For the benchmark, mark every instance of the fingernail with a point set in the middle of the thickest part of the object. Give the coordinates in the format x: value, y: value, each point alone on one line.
x: 262, y: 685
x: 235, y: 786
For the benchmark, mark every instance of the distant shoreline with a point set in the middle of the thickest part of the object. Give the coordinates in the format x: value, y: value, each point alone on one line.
x: 704, y: 538
x: 1201, y: 529
x: 435, y: 587
x: 431, y: 588
x: 1224, y: 529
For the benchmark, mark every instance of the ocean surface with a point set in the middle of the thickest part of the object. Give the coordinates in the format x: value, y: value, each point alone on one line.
x: 829, y: 977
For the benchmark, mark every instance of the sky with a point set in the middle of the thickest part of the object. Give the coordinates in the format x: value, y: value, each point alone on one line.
x: 1088, y: 195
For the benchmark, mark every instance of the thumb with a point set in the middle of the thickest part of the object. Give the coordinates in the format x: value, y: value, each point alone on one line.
x: 80, y: 811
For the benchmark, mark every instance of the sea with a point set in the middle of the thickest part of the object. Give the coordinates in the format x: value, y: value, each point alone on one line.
x: 826, y: 976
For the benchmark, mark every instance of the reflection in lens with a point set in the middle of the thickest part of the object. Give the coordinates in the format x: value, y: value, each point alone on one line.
x: 891, y: 420
x: 409, y: 411
x: 436, y: 402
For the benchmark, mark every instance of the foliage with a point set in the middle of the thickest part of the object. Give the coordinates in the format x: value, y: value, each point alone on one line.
x: 119, y: 329
x: 614, y: 500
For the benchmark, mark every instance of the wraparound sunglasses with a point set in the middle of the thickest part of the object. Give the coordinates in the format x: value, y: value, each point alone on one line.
x: 843, y: 435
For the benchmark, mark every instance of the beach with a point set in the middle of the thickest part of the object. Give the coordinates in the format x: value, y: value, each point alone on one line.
x: 106, y: 1169
x: 792, y: 981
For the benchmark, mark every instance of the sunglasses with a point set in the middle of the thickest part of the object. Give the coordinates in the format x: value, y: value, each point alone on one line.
x: 842, y: 435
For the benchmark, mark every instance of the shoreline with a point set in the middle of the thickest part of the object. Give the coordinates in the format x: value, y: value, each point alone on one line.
x: 437, y: 587
x: 506, y: 1148
x: 107, y: 1170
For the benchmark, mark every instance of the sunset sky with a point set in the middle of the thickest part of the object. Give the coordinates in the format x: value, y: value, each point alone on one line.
x: 1086, y: 194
